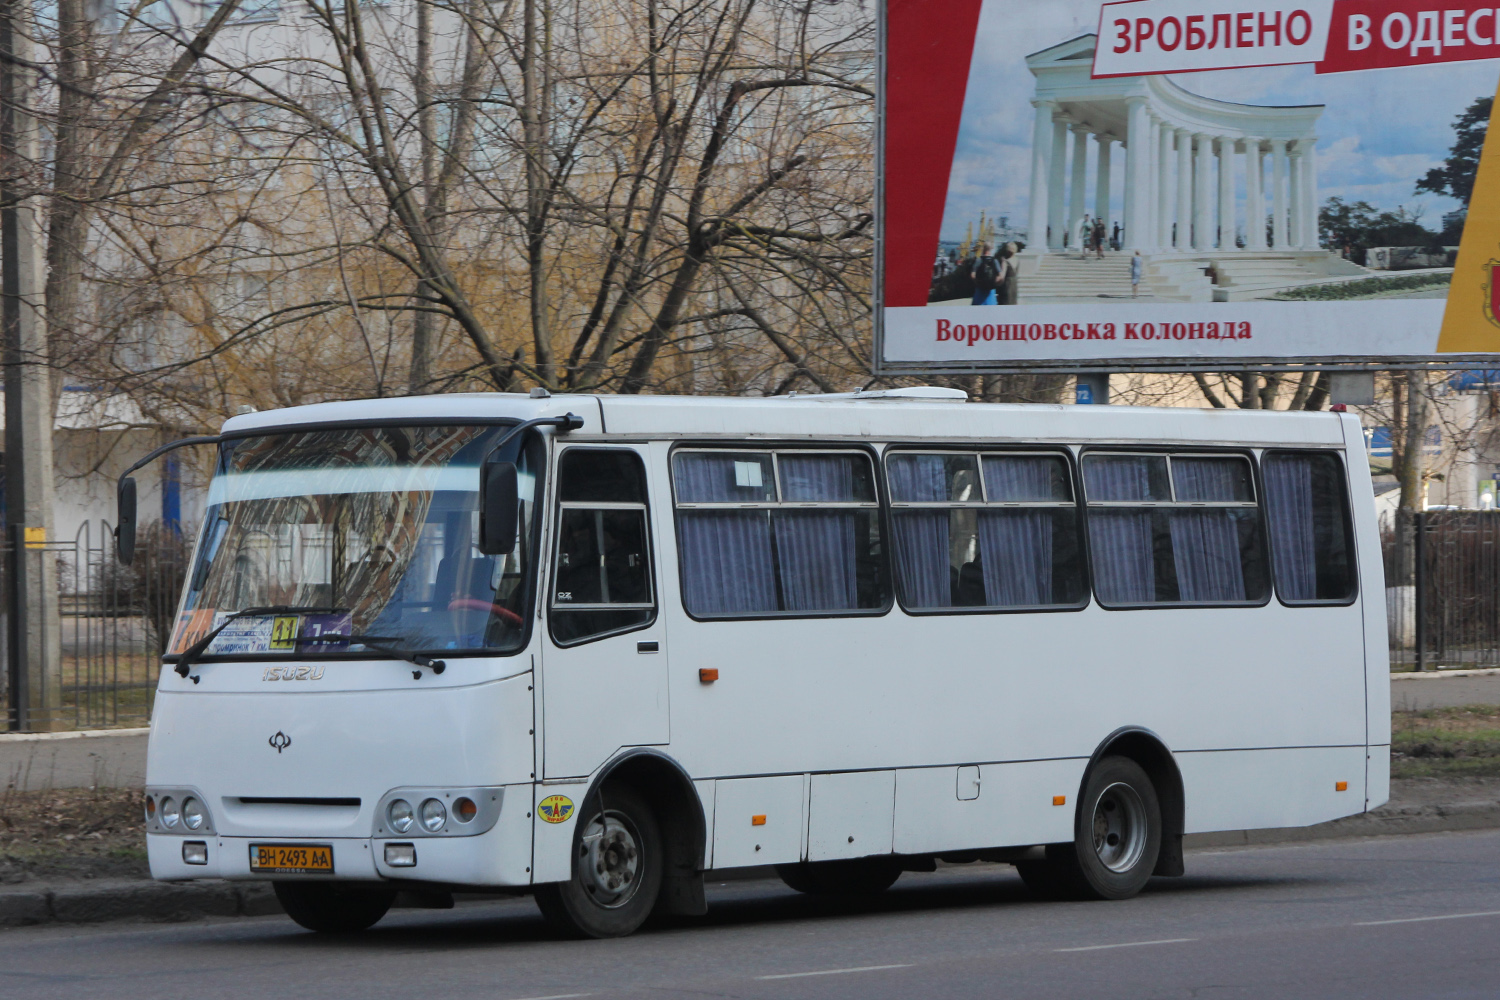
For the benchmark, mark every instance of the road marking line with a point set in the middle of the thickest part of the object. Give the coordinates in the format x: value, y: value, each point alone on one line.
x: 835, y: 972
x: 560, y: 996
x: 1131, y: 944
x: 1421, y: 920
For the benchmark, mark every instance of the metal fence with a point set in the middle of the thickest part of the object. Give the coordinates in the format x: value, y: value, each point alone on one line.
x: 99, y: 665
x: 1442, y: 570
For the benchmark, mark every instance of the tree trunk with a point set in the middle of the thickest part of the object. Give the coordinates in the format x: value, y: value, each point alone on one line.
x: 1411, y: 471
x: 423, y: 321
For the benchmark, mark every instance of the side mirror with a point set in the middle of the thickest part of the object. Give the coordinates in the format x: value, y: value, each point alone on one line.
x: 499, y: 508
x: 125, y: 521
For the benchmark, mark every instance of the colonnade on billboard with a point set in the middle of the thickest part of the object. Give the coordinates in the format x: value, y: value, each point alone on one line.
x: 1199, y: 172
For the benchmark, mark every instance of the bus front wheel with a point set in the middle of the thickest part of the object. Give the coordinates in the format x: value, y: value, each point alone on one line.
x: 333, y: 907
x: 1116, y: 839
x: 617, y: 869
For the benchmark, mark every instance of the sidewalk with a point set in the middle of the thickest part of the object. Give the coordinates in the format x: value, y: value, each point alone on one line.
x: 1412, y: 692
x: 1418, y: 805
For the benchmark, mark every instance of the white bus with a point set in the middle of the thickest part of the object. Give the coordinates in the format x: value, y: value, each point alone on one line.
x: 592, y: 647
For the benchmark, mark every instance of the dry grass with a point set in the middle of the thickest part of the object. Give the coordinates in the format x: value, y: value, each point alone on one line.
x: 1442, y: 742
x: 72, y: 833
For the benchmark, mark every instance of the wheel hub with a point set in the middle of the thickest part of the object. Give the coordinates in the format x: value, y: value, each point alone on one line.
x: 1119, y: 827
x: 610, y: 860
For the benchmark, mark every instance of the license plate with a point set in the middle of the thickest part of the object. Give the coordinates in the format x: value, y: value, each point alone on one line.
x: 292, y: 859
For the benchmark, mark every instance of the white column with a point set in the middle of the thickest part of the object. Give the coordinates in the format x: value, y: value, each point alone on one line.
x: 1203, y: 212
x: 1226, y: 195
x: 1165, y: 195
x: 1041, y: 172
x: 1078, y: 189
x: 1278, y: 194
x: 1182, y: 238
x: 1102, y: 180
x: 1255, y: 196
x: 1153, y: 186
x: 1310, y: 235
x: 1057, y: 184
x: 1294, y: 199
x: 1137, y: 174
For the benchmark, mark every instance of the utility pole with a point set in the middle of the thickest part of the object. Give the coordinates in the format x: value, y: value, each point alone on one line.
x: 32, y: 633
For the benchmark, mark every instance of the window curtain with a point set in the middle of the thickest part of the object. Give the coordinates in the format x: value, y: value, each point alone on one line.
x: 922, y: 536
x: 727, y: 562
x: 1289, y: 501
x: 1120, y: 477
x: 1206, y: 553
x: 1124, y: 566
x: 1124, y: 570
x: 1015, y: 549
x: 817, y: 547
x: 708, y: 477
x: 727, y: 565
x: 1020, y: 478
x: 1205, y: 480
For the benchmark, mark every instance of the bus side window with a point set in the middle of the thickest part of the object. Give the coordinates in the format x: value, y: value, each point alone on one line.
x: 601, y: 576
x: 1174, y: 529
x: 1310, y: 544
x: 984, y: 531
x: 778, y: 532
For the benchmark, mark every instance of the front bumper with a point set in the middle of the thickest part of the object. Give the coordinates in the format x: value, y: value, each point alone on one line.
x: 499, y: 857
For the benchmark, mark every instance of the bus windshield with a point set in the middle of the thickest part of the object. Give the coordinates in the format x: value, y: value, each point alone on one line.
x: 349, y: 532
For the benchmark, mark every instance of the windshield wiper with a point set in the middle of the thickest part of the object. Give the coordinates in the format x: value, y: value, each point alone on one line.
x: 388, y: 644
x: 187, y: 656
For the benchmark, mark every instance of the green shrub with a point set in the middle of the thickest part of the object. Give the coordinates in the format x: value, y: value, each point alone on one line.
x: 1365, y: 286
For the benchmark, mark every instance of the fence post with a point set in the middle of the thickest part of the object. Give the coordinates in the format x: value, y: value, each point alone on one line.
x: 1419, y: 581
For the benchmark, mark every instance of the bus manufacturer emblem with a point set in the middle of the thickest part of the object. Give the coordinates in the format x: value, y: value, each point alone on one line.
x: 556, y: 808
x: 280, y: 741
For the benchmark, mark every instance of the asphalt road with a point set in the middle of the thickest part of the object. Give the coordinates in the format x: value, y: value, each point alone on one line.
x: 1406, y: 917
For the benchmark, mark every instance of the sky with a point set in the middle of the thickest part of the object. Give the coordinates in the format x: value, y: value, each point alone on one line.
x: 1382, y: 130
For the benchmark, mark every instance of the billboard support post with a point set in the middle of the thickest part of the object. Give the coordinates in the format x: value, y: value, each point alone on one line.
x: 1093, y: 388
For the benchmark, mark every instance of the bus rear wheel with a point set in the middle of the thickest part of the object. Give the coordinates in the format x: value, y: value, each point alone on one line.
x: 617, y: 869
x: 333, y: 907
x: 1116, y: 839
x: 856, y: 877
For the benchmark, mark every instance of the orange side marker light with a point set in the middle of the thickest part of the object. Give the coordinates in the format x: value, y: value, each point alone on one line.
x: 1059, y: 800
x: 708, y: 675
x: 758, y: 820
x: 1341, y: 786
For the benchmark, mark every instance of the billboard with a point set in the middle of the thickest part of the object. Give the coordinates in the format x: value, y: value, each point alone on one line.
x: 1186, y: 185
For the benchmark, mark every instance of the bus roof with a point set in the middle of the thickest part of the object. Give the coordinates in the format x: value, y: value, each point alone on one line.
x: 888, y: 416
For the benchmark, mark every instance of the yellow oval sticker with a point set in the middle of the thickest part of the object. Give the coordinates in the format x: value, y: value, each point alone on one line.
x: 556, y: 808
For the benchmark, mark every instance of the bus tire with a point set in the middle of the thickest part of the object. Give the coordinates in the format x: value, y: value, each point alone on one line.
x: 1116, y: 841
x: 617, y: 869
x: 855, y: 877
x: 333, y: 907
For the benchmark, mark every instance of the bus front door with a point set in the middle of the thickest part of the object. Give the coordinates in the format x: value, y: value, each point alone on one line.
x: 604, y: 668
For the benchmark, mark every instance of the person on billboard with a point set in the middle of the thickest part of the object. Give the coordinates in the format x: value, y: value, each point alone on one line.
x: 988, y: 272
x: 1005, y: 293
x: 1081, y: 236
x: 1099, y: 238
x: 1114, y: 243
x: 1137, y: 267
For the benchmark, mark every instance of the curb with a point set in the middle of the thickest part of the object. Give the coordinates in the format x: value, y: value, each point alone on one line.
x: 136, y: 900
x: 166, y: 902
x: 1383, y: 822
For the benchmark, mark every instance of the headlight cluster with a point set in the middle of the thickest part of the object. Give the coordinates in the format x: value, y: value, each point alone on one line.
x: 176, y: 811
x: 438, y: 812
